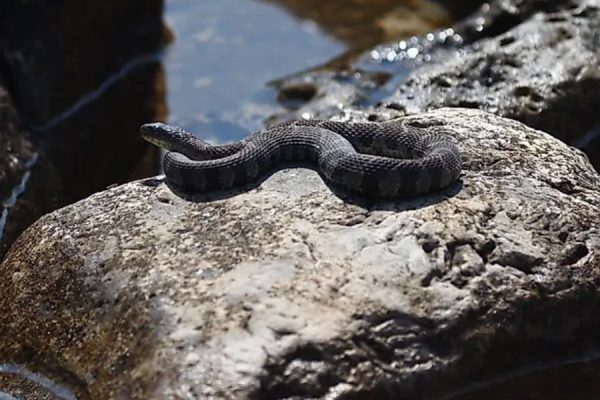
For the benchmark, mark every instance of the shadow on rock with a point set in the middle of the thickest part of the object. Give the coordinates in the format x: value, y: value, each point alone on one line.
x: 365, y: 202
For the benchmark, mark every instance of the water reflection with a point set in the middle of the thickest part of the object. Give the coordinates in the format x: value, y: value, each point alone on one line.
x: 223, y: 54
x: 16, y: 191
x: 362, y: 24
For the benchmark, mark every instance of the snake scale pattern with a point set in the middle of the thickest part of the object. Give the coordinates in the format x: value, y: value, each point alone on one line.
x: 379, y: 159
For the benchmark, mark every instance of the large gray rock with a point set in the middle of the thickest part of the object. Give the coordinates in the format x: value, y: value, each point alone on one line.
x: 288, y: 290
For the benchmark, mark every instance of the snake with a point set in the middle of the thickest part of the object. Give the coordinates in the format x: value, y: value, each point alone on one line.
x: 375, y: 159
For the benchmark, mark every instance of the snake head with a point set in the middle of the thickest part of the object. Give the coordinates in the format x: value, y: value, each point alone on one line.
x: 166, y: 136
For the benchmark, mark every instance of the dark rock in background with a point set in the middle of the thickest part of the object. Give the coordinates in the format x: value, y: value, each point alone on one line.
x: 28, y: 184
x: 16, y: 149
x: 54, y: 53
x: 83, y: 77
x: 101, y: 145
x: 496, y: 17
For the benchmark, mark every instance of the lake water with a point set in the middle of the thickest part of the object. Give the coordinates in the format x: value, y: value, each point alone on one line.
x: 224, y: 53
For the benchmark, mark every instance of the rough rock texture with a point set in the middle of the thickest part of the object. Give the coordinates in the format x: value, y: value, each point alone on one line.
x: 323, y: 93
x: 20, y: 384
x: 544, y: 72
x: 498, y: 16
x: 289, y: 291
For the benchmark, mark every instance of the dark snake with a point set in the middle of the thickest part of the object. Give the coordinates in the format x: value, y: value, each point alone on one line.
x: 383, y: 159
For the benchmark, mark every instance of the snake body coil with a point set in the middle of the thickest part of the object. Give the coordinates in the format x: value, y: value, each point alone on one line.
x: 374, y: 159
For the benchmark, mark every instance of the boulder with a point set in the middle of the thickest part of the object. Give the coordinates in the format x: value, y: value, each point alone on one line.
x: 292, y: 290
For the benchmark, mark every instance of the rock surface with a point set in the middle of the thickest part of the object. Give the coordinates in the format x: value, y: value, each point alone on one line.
x: 288, y: 291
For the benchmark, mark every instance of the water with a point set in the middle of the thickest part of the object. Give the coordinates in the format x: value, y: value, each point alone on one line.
x: 223, y: 54
x: 16, y: 192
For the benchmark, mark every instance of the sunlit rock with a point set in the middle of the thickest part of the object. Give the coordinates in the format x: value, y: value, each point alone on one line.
x: 288, y: 290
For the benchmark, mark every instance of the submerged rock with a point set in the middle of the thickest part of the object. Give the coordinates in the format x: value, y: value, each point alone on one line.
x: 289, y: 291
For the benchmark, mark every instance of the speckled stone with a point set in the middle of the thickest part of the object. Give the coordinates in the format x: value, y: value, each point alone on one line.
x: 289, y: 291
x: 544, y: 72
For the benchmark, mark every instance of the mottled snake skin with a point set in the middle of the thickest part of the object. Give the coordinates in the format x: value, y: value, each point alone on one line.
x: 384, y: 159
